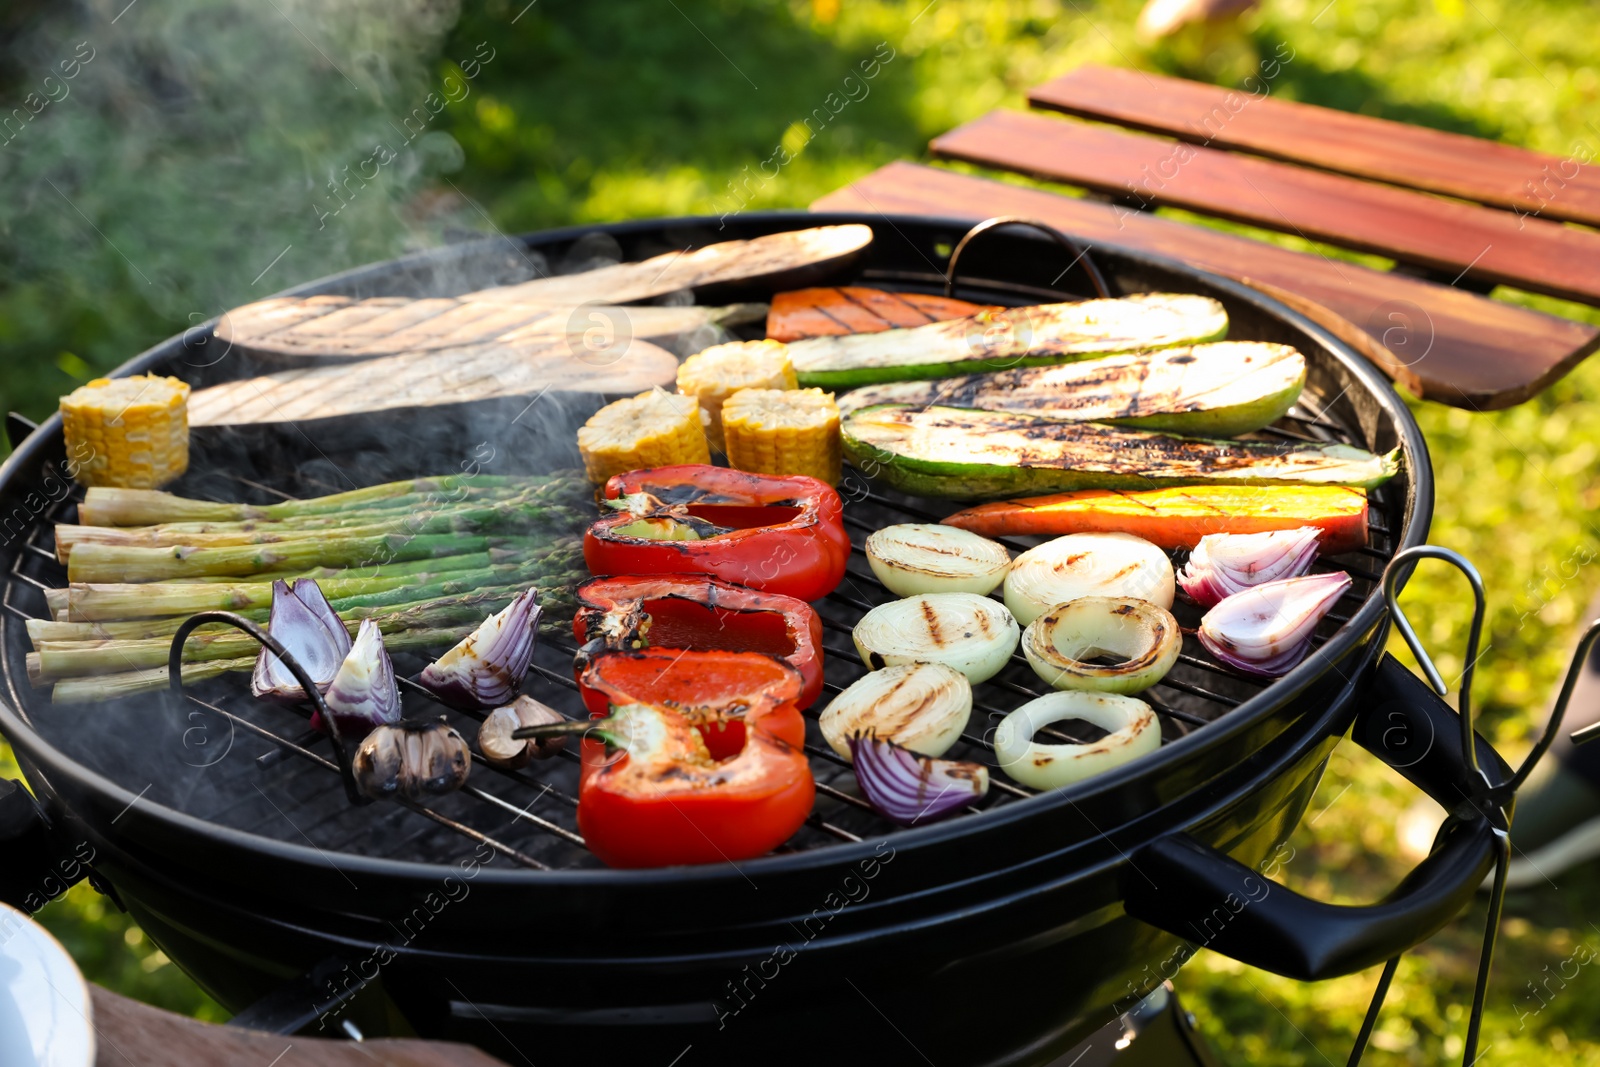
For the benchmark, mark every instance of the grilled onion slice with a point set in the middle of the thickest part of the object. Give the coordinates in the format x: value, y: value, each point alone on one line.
x: 1087, y: 564
x: 966, y: 631
x: 922, y: 707
x: 1134, y: 733
x: 1142, y: 635
x: 916, y: 557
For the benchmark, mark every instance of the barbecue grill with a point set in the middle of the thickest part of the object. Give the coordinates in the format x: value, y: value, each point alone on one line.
x: 1002, y: 936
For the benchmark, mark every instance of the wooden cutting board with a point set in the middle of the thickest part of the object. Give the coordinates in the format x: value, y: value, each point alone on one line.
x: 427, y: 379
x: 343, y: 327
x: 339, y: 327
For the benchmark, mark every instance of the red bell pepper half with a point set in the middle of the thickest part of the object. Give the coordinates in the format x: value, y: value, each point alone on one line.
x: 708, y: 764
x: 699, y: 612
x: 781, y: 533
x: 719, y: 691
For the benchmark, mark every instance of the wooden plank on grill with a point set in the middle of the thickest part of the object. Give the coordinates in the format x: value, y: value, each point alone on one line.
x: 727, y: 261
x: 1550, y: 187
x: 426, y: 379
x: 347, y: 328
x: 1450, y: 345
x: 1445, y: 235
x: 337, y: 327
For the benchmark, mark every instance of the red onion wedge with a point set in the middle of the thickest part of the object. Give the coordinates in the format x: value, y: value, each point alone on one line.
x: 909, y: 789
x: 486, y: 669
x: 1224, y: 564
x: 307, y: 627
x: 1267, y: 630
x: 363, y: 694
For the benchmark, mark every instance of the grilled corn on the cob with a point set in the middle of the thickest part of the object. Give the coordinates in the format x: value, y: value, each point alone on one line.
x: 717, y: 373
x: 652, y: 429
x: 783, y: 431
x: 132, y: 433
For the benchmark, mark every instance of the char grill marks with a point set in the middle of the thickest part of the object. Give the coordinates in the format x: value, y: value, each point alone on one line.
x: 278, y: 780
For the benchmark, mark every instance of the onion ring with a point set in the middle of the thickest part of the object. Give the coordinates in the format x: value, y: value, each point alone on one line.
x: 1134, y: 733
x: 1144, y: 636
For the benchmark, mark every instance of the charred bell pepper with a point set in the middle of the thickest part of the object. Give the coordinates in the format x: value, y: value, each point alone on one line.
x: 701, y: 760
x: 718, y: 691
x: 698, y: 612
x: 780, y: 533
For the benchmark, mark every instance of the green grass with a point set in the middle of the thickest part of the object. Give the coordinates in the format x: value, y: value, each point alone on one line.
x: 606, y: 111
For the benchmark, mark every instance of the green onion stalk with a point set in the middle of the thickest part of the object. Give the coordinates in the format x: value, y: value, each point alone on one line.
x: 464, y: 562
x: 61, y: 659
x: 546, y: 576
x: 97, y: 602
x: 507, y: 519
x: 104, y: 506
x: 526, y: 509
x: 102, y: 687
x: 111, y: 600
x: 116, y: 563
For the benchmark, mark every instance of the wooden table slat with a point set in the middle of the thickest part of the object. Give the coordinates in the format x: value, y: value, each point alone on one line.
x: 1445, y: 235
x: 1465, y: 349
x: 1253, y: 120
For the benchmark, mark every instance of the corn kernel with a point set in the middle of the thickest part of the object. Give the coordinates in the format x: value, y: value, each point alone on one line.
x: 783, y: 431
x: 132, y: 433
x: 722, y: 370
x: 653, y: 429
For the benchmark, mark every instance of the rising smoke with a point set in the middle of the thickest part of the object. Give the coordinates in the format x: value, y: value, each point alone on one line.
x: 167, y: 159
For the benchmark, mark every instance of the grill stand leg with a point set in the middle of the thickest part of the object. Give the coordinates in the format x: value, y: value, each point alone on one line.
x: 36, y: 867
x: 316, y: 997
x: 1157, y: 1032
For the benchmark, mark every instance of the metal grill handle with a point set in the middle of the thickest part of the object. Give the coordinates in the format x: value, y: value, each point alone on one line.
x: 239, y: 622
x: 1079, y: 252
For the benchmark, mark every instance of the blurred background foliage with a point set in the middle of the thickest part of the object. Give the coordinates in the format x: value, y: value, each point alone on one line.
x: 213, y: 151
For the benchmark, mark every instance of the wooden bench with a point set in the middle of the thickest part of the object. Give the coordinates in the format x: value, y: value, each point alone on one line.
x: 1364, y: 147
x: 1442, y: 342
x: 1461, y: 241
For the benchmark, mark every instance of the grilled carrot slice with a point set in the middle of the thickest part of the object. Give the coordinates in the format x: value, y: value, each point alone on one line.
x: 829, y: 312
x: 1178, y: 518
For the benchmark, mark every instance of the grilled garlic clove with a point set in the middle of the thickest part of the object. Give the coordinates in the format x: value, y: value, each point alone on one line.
x: 310, y: 631
x: 377, y: 763
x: 503, y: 750
x: 486, y: 669
x: 412, y: 760
x: 363, y: 694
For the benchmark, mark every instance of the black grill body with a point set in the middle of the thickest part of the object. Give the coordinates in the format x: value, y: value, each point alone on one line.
x: 998, y: 937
